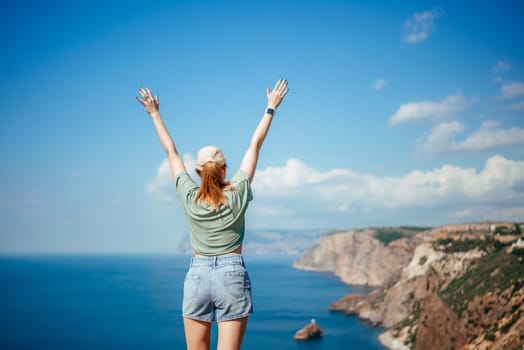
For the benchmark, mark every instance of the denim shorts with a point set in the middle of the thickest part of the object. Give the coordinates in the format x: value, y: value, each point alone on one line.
x: 217, y: 288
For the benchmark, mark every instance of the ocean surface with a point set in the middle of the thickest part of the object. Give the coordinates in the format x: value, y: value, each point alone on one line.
x: 134, y: 302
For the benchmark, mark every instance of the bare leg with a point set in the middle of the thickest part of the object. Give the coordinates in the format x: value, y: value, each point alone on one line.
x: 231, y: 333
x: 198, y: 334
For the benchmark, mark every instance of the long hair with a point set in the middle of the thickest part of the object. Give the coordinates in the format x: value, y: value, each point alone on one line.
x: 211, y: 190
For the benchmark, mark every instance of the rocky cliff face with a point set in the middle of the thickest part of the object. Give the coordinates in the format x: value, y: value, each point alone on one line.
x: 358, y: 257
x: 454, y: 287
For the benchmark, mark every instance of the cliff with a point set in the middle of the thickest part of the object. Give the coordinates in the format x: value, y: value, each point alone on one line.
x: 362, y: 257
x: 452, y: 287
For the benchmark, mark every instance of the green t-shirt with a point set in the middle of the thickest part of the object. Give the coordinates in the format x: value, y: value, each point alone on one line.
x: 215, y: 232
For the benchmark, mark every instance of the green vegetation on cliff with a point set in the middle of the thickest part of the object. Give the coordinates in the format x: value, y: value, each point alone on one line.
x: 495, y: 272
x: 390, y: 234
x: 450, y: 245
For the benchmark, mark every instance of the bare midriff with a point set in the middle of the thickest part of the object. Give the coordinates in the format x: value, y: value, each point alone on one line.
x: 236, y: 251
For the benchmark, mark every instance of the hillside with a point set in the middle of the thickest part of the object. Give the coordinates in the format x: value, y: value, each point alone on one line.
x: 452, y: 287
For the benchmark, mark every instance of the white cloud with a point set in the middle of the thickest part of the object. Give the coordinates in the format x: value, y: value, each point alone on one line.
x: 158, y: 186
x: 489, y: 136
x: 298, y: 195
x: 428, y: 109
x: 418, y: 27
x: 511, y: 89
x: 441, y: 138
x: 501, y: 66
x: 344, y: 189
x: 162, y: 187
x: 380, y: 84
x: 293, y: 175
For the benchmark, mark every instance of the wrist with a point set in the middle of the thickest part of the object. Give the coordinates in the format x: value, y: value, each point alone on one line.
x: 270, y: 110
x: 155, y: 114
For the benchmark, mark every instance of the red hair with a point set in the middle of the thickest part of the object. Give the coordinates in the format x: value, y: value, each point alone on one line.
x: 211, y: 190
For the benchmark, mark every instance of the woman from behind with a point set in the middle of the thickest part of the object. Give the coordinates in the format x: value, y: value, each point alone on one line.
x: 217, y: 285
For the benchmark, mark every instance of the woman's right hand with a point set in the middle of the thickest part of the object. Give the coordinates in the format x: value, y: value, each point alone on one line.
x: 150, y: 104
x: 275, y: 97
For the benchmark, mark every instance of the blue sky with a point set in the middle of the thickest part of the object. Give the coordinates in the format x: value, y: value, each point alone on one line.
x: 405, y: 113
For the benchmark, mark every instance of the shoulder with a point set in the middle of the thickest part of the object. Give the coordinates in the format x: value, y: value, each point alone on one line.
x: 241, y: 184
x: 239, y: 177
x: 184, y: 183
x: 182, y: 177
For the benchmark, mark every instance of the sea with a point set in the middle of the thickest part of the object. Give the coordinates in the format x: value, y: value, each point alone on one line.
x: 134, y: 302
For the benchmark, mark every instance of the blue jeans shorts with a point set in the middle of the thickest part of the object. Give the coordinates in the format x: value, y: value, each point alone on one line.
x: 217, y: 288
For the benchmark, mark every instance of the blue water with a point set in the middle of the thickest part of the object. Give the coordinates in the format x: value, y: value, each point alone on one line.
x: 134, y: 302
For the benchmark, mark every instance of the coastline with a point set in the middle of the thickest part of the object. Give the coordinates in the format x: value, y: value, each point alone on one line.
x: 385, y: 338
x: 315, y: 269
x: 454, y: 286
x: 390, y: 342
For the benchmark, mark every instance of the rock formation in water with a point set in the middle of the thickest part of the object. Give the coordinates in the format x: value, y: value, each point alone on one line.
x: 453, y: 287
x: 310, y: 331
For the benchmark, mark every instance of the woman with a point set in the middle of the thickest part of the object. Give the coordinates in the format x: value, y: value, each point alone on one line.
x: 217, y: 286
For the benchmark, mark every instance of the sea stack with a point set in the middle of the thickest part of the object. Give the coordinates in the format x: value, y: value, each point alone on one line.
x: 309, y: 331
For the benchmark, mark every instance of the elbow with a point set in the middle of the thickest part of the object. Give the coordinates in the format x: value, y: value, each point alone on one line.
x: 170, y: 152
x: 256, y: 145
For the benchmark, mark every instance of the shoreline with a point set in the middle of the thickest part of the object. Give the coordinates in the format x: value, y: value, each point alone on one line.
x: 385, y: 338
x: 390, y: 342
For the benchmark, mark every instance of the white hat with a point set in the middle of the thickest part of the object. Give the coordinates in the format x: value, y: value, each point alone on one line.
x: 209, y: 154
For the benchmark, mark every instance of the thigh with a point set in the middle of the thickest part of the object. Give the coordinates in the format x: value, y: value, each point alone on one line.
x: 198, y: 334
x: 231, y: 333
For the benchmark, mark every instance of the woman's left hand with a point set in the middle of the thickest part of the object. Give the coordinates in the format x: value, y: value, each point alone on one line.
x: 150, y: 104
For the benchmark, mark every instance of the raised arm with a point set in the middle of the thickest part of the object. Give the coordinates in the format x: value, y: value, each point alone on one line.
x: 152, y: 108
x: 274, y: 98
